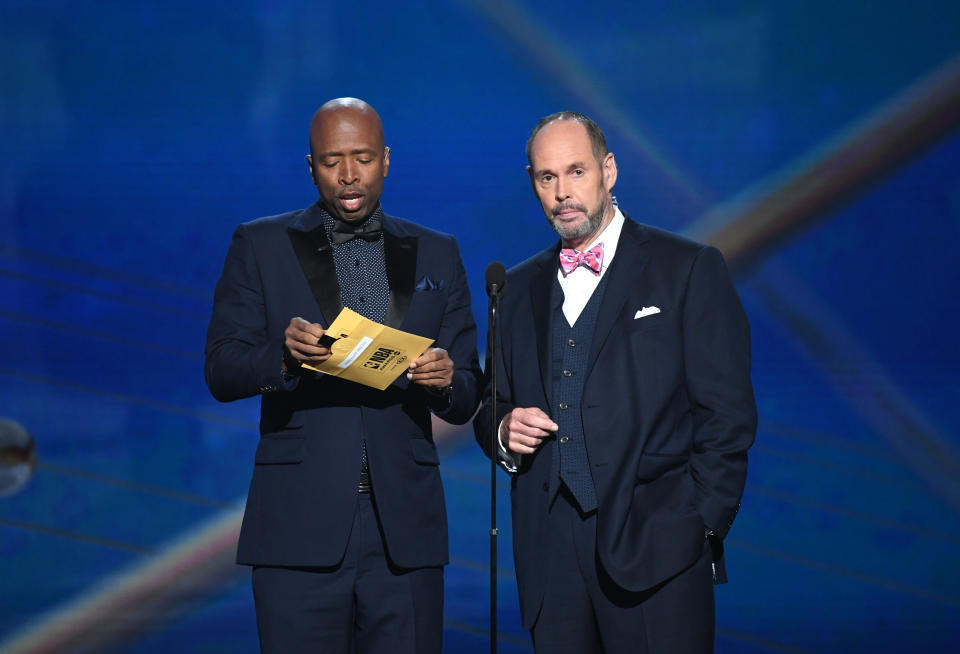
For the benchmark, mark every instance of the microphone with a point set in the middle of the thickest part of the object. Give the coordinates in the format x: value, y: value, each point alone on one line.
x: 496, y: 279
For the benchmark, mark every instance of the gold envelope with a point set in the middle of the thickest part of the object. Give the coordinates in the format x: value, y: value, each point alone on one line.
x: 369, y: 353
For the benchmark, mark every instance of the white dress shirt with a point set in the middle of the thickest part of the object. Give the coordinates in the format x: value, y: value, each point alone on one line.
x: 578, y: 286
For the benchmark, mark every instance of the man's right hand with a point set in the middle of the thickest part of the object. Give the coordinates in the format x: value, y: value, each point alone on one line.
x: 300, y: 344
x: 523, y: 430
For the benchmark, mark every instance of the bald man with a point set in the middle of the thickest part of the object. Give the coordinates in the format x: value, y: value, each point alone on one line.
x: 625, y: 414
x: 345, y: 524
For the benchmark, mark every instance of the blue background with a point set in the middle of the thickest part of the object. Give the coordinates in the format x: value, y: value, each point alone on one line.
x: 136, y: 135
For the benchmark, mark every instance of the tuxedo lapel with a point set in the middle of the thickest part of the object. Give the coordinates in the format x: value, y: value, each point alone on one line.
x: 400, y: 253
x: 313, y: 250
x: 625, y: 270
x: 541, y: 290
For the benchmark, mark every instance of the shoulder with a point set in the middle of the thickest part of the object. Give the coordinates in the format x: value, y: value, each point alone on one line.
x: 276, y: 222
x: 404, y: 227
x: 431, y: 241
x: 666, y: 248
x: 529, y: 267
x: 670, y: 243
x: 677, y: 261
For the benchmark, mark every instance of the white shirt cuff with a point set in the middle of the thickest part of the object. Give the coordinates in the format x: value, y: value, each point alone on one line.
x: 510, y: 461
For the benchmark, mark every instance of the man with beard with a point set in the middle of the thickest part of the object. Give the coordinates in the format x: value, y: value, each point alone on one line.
x: 345, y: 524
x: 625, y: 411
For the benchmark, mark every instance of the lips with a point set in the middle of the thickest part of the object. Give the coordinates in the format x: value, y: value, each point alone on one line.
x: 350, y: 200
x: 567, y: 211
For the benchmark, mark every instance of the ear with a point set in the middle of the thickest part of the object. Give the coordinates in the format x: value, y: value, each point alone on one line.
x: 386, y: 161
x: 310, y: 166
x: 532, y: 183
x: 609, y: 171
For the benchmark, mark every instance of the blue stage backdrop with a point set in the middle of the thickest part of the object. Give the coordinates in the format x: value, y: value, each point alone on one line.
x: 815, y: 142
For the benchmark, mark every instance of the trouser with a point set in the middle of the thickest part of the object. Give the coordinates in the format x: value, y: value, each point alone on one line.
x: 584, y: 611
x: 364, y: 605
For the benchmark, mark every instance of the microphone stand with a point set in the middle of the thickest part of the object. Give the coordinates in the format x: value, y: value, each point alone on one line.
x: 494, y: 305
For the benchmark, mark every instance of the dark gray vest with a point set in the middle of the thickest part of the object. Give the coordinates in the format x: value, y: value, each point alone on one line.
x: 571, y: 351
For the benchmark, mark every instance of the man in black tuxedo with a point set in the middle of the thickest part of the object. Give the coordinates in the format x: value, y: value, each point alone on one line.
x: 345, y: 523
x: 625, y: 411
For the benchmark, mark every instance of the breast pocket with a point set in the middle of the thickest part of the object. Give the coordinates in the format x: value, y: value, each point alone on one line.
x: 653, y: 322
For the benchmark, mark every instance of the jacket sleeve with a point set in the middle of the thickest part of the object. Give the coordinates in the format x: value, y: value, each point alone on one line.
x: 717, y: 361
x: 458, y: 336
x: 241, y: 358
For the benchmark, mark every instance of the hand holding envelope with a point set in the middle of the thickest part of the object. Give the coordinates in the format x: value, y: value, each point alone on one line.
x: 363, y: 351
x: 303, y: 343
x: 433, y: 369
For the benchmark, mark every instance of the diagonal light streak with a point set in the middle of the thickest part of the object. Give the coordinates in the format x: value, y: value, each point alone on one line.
x: 566, y: 68
x: 762, y: 218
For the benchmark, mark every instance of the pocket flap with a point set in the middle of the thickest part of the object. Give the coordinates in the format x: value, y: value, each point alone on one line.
x: 424, y: 451
x: 279, y: 450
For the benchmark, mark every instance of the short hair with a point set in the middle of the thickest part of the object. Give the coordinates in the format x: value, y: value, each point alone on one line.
x: 597, y: 140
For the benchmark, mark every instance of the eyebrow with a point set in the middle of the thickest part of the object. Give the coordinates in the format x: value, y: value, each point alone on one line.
x: 575, y: 164
x: 357, y: 151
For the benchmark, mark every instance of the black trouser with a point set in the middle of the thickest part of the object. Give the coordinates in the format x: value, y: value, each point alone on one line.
x: 585, y: 611
x: 365, y: 605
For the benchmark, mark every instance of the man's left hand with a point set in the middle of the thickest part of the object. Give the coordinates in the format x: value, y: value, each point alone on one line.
x: 433, y: 368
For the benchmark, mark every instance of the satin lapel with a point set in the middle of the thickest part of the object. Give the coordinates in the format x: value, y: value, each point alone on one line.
x: 316, y: 258
x: 541, y: 290
x: 625, y: 273
x: 400, y: 253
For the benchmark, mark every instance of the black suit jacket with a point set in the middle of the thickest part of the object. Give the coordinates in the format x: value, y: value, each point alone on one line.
x: 668, y: 409
x: 304, y: 488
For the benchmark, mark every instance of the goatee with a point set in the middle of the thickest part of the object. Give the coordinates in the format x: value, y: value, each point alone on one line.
x: 576, y: 232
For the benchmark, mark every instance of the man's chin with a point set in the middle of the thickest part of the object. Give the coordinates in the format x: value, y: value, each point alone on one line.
x: 571, y: 229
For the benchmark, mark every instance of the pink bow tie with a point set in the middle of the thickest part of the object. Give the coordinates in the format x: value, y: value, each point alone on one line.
x: 592, y: 259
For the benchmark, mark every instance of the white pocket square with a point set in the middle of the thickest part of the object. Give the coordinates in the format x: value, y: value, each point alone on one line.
x: 646, y: 311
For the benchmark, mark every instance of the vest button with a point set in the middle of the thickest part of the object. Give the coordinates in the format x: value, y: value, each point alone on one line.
x: 564, y: 405
x: 564, y: 439
x: 546, y: 487
x: 572, y: 343
x: 568, y: 373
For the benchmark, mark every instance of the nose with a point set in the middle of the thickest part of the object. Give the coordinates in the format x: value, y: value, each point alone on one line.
x: 560, y: 189
x: 348, y: 173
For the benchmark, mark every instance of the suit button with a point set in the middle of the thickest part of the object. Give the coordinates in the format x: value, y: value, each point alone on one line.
x: 564, y: 406
x: 572, y: 343
x: 546, y: 487
x: 568, y: 373
x: 564, y: 439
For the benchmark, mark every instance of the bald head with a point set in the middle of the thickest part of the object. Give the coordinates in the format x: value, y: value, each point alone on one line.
x: 348, y: 159
x: 350, y: 110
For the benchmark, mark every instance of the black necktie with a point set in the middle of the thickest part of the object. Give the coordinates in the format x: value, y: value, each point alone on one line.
x: 368, y: 230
